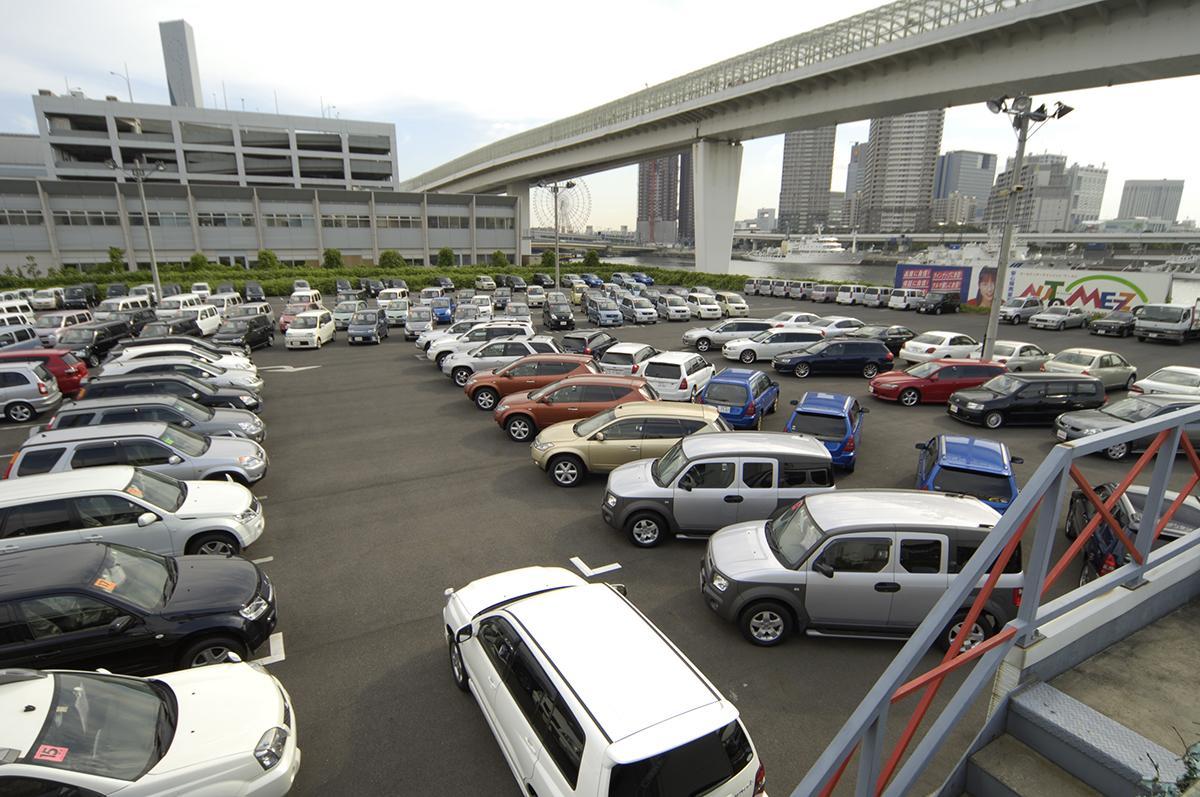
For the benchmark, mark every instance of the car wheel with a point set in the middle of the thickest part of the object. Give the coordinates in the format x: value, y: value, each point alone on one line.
x: 226, y: 476
x: 748, y: 356
x: 703, y: 345
x: 461, y: 375
x: 870, y: 371
x: 937, y: 311
x: 93, y: 360
x: 214, y: 650
x: 567, y: 470
x: 802, y: 370
x: 519, y: 428
x: 441, y: 357
x: 765, y: 624
x: 19, y: 412
x: 980, y: 631
x: 1061, y: 326
x: 485, y: 398
x: 1129, y: 382
x: 1117, y: 451
x: 1087, y: 574
x: 646, y: 529
x: 910, y: 397
x: 458, y: 670
x: 1016, y: 320
x: 993, y: 420
x: 213, y: 543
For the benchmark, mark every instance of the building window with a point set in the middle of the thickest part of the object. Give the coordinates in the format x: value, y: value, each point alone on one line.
x: 222, y: 219
x: 449, y: 222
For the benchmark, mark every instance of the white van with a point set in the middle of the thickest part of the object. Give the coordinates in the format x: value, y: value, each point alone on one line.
x: 905, y: 298
x: 312, y: 329
x: 850, y: 294
x: 206, y: 317
x: 875, y: 296
x: 305, y: 296
x: 389, y: 295
x: 224, y: 302
x: 18, y: 307
x: 121, y: 304
x: 173, y: 306
x: 429, y: 294
x: 202, y: 289
x: 586, y: 696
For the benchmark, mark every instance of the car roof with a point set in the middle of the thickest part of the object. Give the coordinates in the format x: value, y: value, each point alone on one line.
x: 848, y: 509
x: 606, y: 658
x: 100, y: 432
x: 1054, y: 377
x: 943, y: 361
x: 752, y: 444
x: 1187, y: 369
x: 973, y: 453
x: 667, y: 409
x: 104, y: 402
x: 1089, y: 352
x: 604, y: 379
x: 50, y: 567
x: 311, y: 313
x: 735, y: 375
x: 1163, y: 399
x: 107, y: 477
x: 671, y: 356
x: 557, y: 357
x: 824, y: 403
x: 627, y: 347
x: 942, y: 332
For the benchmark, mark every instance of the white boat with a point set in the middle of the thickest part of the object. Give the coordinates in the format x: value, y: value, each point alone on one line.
x: 971, y: 254
x: 807, y: 249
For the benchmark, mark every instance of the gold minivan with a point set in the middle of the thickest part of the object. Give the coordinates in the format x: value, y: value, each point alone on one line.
x: 568, y: 451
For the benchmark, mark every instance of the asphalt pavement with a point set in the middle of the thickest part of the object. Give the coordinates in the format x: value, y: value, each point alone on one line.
x: 387, y: 486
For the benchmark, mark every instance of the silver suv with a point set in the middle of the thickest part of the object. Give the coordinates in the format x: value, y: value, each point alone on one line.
x: 1020, y: 308
x: 27, y: 389
x: 160, y: 447
x: 721, y: 332
x: 167, y: 409
x: 479, y: 334
x: 853, y: 563
x: 494, y: 354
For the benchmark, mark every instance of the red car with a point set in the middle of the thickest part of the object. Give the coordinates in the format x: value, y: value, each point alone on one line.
x: 573, y: 398
x: 486, y: 388
x: 69, y: 371
x: 932, y: 382
x: 290, y: 311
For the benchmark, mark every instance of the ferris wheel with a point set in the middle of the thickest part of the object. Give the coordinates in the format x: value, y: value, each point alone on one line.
x: 574, y: 205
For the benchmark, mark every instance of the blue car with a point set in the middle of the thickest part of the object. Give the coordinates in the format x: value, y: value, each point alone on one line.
x: 742, y: 396
x: 443, y: 310
x: 952, y: 463
x: 642, y: 277
x: 591, y: 280
x: 833, y: 418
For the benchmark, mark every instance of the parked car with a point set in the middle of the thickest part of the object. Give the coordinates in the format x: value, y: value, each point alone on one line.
x: 642, y: 277
x: 389, y: 296
x: 824, y: 294
x: 69, y: 371
x: 703, y: 306
x: 592, y: 280
x: 312, y: 329
x: 224, y: 302
x: 535, y: 295
x: 751, y: 287
x: 137, y: 318
x: 27, y: 389
x: 875, y: 296
x: 1178, y: 379
x: 576, y: 397
x: 367, y: 326
x: 1074, y: 425
x: 604, y: 313
x: 798, y: 289
x: 672, y: 308
x: 91, y: 342
x: 372, y: 286
x: 905, y: 299
x: 1058, y: 317
x: 486, y: 388
x: 742, y: 396
x: 419, y: 319
x: 344, y: 311
x: 687, y: 489
x: 201, y: 289
x: 516, y: 312
x: 155, y: 446
x: 49, y: 326
x: 779, y: 288
x: 1020, y: 308
x: 182, y: 341
x: 834, y: 325
x: 1030, y: 399
x: 938, y: 302
x: 718, y: 334
x: 252, y: 309
x: 497, y: 352
x: 557, y: 315
x: 174, y: 385
x: 234, y: 360
x: 933, y: 382
x: 1112, y: 369
x: 432, y: 335
x: 849, y: 294
x: 484, y: 283
x: 955, y: 464
x: 793, y: 318
x: 894, y: 337
x: 172, y: 326
x: 1017, y: 355
x: 732, y: 305
x: 207, y: 318
x: 443, y: 310
x: 637, y: 310
x: 938, y: 345
x: 515, y: 283
x: 771, y: 343
x: 833, y: 418
x: 396, y: 312
x: 836, y: 356
x: 476, y: 335
x: 814, y: 568
x: 254, y: 291
x: 80, y: 297
x: 1118, y: 323
x: 250, y: 331
x: 165, y: 408
x: 18, y: 337
x: 625, y: 359
x: 677, y: 375
x: 50, y: 298
x: 588, y: 341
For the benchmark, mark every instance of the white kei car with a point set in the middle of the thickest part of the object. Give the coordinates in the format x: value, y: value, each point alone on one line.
x: 221, y: 729
x: 938, y: 345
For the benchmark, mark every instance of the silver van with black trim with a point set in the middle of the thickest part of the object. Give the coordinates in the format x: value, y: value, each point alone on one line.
x: 866, y: 563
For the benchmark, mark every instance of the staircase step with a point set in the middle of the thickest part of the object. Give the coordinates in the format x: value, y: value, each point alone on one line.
x: 1009, y: 768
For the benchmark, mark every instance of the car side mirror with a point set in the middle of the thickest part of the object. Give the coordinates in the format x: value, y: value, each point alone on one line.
x: 824, y: 569
x: 463, y: 634
x: 120, y: 625
x: 174, y: 459
x: 598, y: 437
x: 185, y: 423
x: 795, y: 402
x: 146, y: 518
x: 1017, y: 460
x: 920, y: 446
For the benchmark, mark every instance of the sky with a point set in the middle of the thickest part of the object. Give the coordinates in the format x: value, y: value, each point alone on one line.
x: 457, y: 76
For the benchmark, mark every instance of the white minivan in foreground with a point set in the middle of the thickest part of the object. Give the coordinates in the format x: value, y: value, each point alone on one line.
x: 586, y: 696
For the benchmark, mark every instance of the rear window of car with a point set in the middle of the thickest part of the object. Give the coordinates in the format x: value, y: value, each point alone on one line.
x: 662, y: 370
x: 39, y: 461
x: 617, y: 358
x: 697, y: 767
x: 725, y: 393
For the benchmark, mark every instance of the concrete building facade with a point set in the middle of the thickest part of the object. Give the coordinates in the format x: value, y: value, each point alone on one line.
x: 1055, y: 197
x: 897, y: 181
x: 687, y: 200
x: 658, y: 200
x: 966, y: 173
x: 1151, y: 199
x: 804, y: 183
x: 1087, y: 193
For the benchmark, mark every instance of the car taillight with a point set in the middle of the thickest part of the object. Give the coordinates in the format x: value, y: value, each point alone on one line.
x: 930, y: 350
x: 635, y: 368
x: 890, y: 356
x: 42, y: 389
x: 587, y: 349
x: 750, y: 408
x: 849, y: 445
x: 11, y: 460
x: 1135, y: 389
x: 1108, y: 565
x: 683, y: 384
x: 1017, y: 596
x: 760, y: 781
x: 1042, y: 367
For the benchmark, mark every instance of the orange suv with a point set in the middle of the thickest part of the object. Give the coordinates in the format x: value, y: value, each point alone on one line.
x: 528, y: 373
x: 575, y: 398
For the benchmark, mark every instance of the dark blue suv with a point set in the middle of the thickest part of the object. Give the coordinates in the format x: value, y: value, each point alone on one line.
x: 742, y: 396
x: 642, y: 277
x: 833, y: 418
x: 952, y: 463
x: 837, y: 356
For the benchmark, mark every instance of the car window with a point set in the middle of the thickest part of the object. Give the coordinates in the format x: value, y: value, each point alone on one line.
x: 834, y: 349
x: 499, y: 641
x: 566, y: 395
x: 601, y: 393
x: 143, y: 453
x: 55, y: 615
x: 662, y: 429
x: 921, y: 556
x: 43, y: 517
x: 17, y: 786
x: 1034, y: 390
x: 628, y: 429
x: 13, y: 379
x: 524, y: 369
x: 708, y: 476
x: 106, y: 510
x: 41, y: 460
x: 542, y: 347
x: 758, y: 475
x: 965, y: 549
x: 126, y: 415
x: 96, y: 455
x: 857, y: 555
x: 492, y: 350
x: 793, y: 474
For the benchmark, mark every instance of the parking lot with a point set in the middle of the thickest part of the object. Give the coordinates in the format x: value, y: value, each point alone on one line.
x: 387, y: 486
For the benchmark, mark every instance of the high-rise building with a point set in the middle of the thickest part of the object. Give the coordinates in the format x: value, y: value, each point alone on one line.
x: 183, y: 71
x: 765, y: 220
x: 687, y: 200
x: 1044, y: 201
x: 1151, y: 199
x: 804, y: 184
x: 1087, y: 193
x: 897, y: 181
x: 658, y: 200
x: 854, y: 174
x: 837, y: 209
x: 968, y: 174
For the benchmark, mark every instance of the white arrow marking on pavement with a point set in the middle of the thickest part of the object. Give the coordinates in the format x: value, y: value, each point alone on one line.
x: 276, y: 654
x: 264, y: 560
x: 286, y: 369
x: 588, y: 572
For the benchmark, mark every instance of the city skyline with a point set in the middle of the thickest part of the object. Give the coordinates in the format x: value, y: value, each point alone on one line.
x: 439, y: 120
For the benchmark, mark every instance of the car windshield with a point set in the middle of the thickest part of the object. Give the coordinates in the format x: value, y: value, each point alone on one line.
x: 48, y: 322
x: 420, y: 314
x: 144, y: 579
x: 559, y: 308
x: 171, y: 304
x: 606, y: 305
x: 1169, y: 376
x: 1003, y: 384
x: 347, y: 307
x: 518, y: 308
x: 669, y: 465
x: 594, y: 424
x: 162, y: 491
x: 763, y: 337
x: 868, y: 332
x: 1073, y: 358
x: 698, y: 767
x: 923, y: 370
x: 1118, y: 315
x: 189, y: 443
x: 987, y: 486
x: 304, y: 322
x: 675, y: 301
x: 703, y: 298
x: 440, y: 302
x: 364, y: 318
x: 1056, y: 310
x: 235, y: 326
x: 733, y: 298
x: 1132, y: 409
x: 295, y: 309
x: 1004, y: 350
x: 725, y: 393
x: 823, y: 427
x: 642, y: 303
x: 1015, y: 303
x: 155, y: 329
x: 1160, y: 312
x: 77, y: 336
x: 105, y: 725
x: 793, y: 534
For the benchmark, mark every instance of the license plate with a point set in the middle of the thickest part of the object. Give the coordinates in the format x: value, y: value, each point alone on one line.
x: 870, y: 388
x: 954, y: 409
x: 1061, y: 434
x: 723, y: 408
x: 357, y: 338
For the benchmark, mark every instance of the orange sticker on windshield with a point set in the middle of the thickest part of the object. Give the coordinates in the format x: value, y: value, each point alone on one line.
x: 105, y: 584
x: 48, y: 752
x: 136, y: 492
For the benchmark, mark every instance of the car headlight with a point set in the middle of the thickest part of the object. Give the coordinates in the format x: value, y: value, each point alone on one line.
x: 502, y: 408
x: 719, y: 581
x: 540, y: 445
x: 249, y: 401
x: 974, y: 405
x: 610, y: 500
x: 254, y: 609
x: 1090, y: 432
x: 246, y: 515
x: 249, y: 426
x: 251, y: 462
x: 269, y: 749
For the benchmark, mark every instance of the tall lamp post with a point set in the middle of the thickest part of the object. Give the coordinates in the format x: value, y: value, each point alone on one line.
x: 1022, y: 112
x: 138, y: 171
x: 554, y: 188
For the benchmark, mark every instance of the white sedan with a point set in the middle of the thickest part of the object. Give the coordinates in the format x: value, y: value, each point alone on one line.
x: 938, y: 345
x: 835, y: 324
x: 1180, y: 379
x: 792, y: 318
x: 221, y: 729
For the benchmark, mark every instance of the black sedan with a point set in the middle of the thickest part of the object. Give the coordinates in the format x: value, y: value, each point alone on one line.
x: 892, y: 337
x: 545, y: 280
x: 91, y: 605
x: 1118, y: 323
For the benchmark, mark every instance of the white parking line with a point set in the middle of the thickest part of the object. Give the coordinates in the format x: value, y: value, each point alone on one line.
x: 264, y: 560
x: 276, y: 655
x: 588, y: 572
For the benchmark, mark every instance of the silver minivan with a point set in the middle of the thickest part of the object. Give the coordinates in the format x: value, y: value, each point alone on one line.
x: 706, y: 482
x: 867, y: 563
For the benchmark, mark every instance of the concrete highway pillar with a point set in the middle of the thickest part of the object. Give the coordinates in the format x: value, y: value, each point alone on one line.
x: 717, y: 169
x: 524, y: 239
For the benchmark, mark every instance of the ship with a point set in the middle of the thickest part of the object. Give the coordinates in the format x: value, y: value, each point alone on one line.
x: 807, y: 249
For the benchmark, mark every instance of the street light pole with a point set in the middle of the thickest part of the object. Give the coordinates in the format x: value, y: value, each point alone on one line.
x: 128, y: 85
x: 138, y: 172
x: 557, y: 267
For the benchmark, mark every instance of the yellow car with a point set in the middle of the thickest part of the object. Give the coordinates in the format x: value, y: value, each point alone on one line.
x: 568, y: 451
x: 579, y: 289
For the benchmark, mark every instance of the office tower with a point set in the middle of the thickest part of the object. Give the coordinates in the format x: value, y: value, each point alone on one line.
x: 765, y: 220
x: 804, y: 184
x: 1151, y: 199
x: 969, y: 175
x: 897, y: 178
x: 1087, y: 194
x: 658, y: 200
x: 179, y: 55
x: 1044, y: 202
x: 687, y: 201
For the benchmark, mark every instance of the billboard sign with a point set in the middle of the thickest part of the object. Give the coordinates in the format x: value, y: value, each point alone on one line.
x: 1091, y: 291
x: 974, y: 284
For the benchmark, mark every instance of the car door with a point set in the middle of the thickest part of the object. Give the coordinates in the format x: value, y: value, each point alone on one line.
x: 114, y: 519
x: 921, y: 577
x: 659, y: 434
x: 490, y: 356
x: 757, y: 487
x: 706, y: 495
x: 522, y: 377
x: 153, y: 455
x: 1037, y: 401
x: 944, y: 382
x: 961, y: 346
x: 1115, y: 370
x: 851, y: 583
x: 561, y: 405
x: 38, y: 525
x: 70, y: 629
x: 829, y: 361
x: 621, y: 442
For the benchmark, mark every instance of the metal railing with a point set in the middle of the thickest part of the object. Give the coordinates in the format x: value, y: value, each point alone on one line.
x: 854, y: 34
x: 1038, y: 505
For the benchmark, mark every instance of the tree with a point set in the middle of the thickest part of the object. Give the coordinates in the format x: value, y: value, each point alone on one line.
x: 116, y: 259
x: 390, y: 258
x: 198, y: 262
x: 498, y: 259
x: 445, y: 257
x: 591, y: 260
x: 548, y: 259
x: 268, y: 259
x: 332, y: 258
